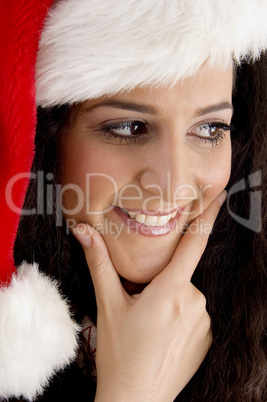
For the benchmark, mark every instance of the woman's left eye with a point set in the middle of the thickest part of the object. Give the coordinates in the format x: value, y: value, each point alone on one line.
x: 212, y: 133
x: 127, y: 131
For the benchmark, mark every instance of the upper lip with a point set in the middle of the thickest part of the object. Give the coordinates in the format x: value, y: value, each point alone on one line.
x: 155, y: 212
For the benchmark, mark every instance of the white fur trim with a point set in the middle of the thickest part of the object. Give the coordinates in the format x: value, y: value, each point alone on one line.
x: 37, y: 334
x: 91, y: 48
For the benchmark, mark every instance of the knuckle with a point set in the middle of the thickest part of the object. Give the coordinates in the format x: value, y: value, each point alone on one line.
x: 202, y: 301
x: 190, y: 299
x: 207, y: 322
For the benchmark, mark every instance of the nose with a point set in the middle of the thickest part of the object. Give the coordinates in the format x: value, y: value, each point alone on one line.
x: 170, y: 173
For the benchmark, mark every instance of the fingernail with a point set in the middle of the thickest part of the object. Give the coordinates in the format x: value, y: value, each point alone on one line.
x: 222, y: 197
x: 83, y: 234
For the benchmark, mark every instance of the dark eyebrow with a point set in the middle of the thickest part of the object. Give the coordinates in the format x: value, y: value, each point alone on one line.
x: 136, y: 107
x: 141, y: 108
x: 214, y: 108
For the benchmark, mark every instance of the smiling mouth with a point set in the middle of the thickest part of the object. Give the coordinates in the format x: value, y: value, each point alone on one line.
x: 150, y: 220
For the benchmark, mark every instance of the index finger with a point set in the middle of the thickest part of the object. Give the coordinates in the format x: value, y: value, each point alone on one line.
x: 193, y: 243
x: 107, y: 285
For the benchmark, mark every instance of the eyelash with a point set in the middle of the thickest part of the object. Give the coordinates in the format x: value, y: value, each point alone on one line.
x: 108, y: 132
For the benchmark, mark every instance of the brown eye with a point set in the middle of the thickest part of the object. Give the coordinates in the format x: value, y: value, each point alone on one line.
x: 125, y: 131
x: 128, y: 128
x: 138, y: 128
x: 210, y: 132
x: 206, y: 130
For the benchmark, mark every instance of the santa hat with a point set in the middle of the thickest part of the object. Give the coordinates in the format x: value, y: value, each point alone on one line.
x: 87, y: 48
x: 37, y: 334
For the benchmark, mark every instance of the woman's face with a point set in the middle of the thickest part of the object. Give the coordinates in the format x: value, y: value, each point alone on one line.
x: 140, y: 165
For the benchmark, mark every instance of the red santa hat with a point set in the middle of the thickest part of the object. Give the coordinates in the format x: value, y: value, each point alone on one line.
x: 37, y: 333
x: 69, y: 52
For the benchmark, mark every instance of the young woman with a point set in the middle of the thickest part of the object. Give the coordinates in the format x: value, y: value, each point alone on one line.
x: 127, y: 181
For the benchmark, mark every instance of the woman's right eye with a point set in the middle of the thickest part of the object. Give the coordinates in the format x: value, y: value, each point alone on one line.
x: 128, y: 131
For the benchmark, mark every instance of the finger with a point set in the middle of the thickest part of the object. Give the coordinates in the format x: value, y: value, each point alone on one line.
x: 105, y: 279
x: 193, y: 243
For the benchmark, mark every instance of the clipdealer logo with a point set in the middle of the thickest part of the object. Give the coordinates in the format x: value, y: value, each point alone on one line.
x: 49, y: 198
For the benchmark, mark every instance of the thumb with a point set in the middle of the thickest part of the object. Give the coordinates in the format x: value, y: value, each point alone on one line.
x: 107, y: 285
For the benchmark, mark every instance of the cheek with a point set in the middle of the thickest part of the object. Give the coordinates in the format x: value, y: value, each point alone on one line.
x: 98, y: 175
x: 88, y: 172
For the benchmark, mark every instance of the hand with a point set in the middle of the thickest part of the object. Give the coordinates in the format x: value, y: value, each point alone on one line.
x: 149, y: 345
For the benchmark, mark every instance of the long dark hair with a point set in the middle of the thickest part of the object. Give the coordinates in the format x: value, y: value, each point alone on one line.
x: 231, y: 273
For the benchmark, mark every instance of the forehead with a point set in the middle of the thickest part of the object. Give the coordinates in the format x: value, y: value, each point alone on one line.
x: 206, y: 87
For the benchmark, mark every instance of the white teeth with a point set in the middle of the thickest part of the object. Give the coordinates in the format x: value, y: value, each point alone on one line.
x: 162, y: 220
x: 151, y: 220
x: 140, y: 218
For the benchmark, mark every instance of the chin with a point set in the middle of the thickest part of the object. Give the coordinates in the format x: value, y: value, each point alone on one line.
x: 140, y: 263
x: 142, y: 273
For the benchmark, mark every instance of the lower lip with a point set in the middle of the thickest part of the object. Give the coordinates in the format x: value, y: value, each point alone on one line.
x: 146, y: 230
